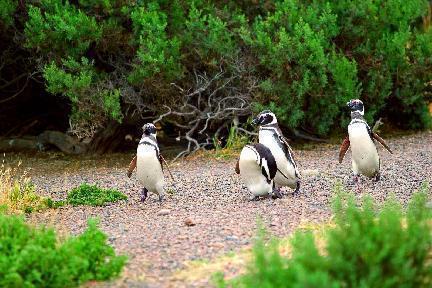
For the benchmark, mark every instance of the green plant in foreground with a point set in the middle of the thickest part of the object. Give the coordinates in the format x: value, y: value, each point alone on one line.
x: 367, y: 247
x: 32, y: 257
x: 87, y: 194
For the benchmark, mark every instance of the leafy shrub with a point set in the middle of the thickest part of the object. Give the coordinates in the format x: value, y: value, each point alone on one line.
x: 310, y: 58
x: 17, y: 193
x: 92, y: 195
x: 60, y: 26
x: 77, y: 80
x: 366, y: 248
x: 320, y: 55
x: 32, y: 257
x: 7, y: 9
x: 157, y: 53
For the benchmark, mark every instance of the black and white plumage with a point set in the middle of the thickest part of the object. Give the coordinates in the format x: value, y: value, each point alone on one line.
x: 365, y: 158
x: 148, y: 162
x: 271, y: 136
x: 257, y: 167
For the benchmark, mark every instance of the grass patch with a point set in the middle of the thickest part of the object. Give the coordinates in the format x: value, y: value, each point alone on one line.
x: 93, y: 195
x: 199, y: 270
x: 367, y: 246
x: 18, y: 194
x: 235, y: 143
x: 32, y: 257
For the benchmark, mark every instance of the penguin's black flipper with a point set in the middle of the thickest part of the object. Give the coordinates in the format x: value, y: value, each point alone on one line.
x: 382, y: 142
x: 161, y: 161
x: 237, y: 168
x: 132, y: 166
x: 344, y: 148
x: 289, y: 154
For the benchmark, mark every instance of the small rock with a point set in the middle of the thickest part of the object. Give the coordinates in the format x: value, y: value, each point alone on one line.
x: 274, y: 223
x: 189, y: 222
x: 217, y: 245
x: 310, y: 172
x: 163, y: 212
x: 231, y: 238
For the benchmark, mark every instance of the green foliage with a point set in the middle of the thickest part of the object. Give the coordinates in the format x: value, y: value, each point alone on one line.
x: 234, y: 143
x: 156, y: 53
x: 208, y: 33
x: 73, y: 79
x: 18, y: 194
x: 92, y: 195
x: 367, y: 247
x: 77, y: 80
x: 311, y: 57
x: 7, y: 9
x: 59, y: 26
x: 32, y: 257
x: 305, y: 70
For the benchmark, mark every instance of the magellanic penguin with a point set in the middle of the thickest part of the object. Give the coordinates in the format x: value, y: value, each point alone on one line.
x: 271, y: 136
x: 148, y: 162
x: 365, y: 159
x: 257, y: 167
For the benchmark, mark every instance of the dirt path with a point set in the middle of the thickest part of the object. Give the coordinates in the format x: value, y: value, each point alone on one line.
x: 210, y: 194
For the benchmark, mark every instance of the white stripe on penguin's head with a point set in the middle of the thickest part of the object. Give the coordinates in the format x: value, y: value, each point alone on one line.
x: 265, y: 118
x: 356, y: 105
x: 149, y: 130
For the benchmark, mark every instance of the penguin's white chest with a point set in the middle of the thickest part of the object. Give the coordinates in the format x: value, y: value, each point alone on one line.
x: 252, y: 175
x: 149, y: 170
x: 365, y: 159
x: 266, y: 138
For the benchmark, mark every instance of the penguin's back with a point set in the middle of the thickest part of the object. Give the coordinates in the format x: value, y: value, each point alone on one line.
x: 365, y: 157
x: 251, y: 171
x: 149, y: 169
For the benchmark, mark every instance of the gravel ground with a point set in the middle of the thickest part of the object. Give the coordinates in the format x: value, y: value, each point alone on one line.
x: 209, y: 194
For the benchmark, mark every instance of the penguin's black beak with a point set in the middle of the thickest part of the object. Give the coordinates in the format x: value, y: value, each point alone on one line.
x: 255, y: 121
x: 349, y: 104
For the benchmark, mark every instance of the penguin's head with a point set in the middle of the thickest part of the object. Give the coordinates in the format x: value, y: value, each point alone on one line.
x: 266, y: 117
x: 149, y: 129
x: 356, y: 105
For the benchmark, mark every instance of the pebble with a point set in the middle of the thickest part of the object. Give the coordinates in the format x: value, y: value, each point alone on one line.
x: 189, y: 222
x: 163, y: 212
x: 231, y: 238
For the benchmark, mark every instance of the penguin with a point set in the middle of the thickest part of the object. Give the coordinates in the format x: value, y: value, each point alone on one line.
x: 270, y: 135
x: 148, y: 162
x: 257, y: 167
x: 361, y: 138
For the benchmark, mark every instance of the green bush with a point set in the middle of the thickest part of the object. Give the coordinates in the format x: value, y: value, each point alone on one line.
x: 33, y: 257
x: 92, y: 195
x: 320, y: 54
x: 7, y: 9
x: 113, y: 58
x: 366, y: 248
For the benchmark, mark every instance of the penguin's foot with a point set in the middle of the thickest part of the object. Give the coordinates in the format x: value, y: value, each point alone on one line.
x: 143, y: 194
x: 355, y: 179
x: 254, y: 198
x: 276, y: 193
x: 297, y: 189
x: 377, y: 177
